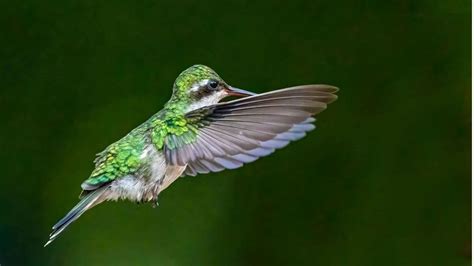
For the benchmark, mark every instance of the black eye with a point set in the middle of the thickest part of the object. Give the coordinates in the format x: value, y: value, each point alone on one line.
x: 213, y: 84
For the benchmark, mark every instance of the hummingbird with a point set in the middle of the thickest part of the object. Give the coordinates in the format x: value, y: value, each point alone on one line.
x: 195, y: 134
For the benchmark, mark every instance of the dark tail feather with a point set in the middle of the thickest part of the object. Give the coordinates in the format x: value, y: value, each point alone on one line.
x: 87, y: 202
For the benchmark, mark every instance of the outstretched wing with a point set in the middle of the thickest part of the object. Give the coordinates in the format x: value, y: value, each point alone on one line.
x: 229, y: 134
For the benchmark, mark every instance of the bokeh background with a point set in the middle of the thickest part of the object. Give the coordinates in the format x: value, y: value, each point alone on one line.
x: 384, y: 180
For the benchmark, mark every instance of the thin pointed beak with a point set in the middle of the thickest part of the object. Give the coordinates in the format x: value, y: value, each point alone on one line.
x: 232, y: 91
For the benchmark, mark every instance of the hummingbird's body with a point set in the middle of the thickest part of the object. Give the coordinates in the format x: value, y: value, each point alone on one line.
x: 195, y: 134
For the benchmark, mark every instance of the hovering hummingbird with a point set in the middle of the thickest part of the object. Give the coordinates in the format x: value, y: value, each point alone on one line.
x: 195, y: 134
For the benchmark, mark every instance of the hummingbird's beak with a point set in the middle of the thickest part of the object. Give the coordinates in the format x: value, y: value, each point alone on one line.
x: 232, y: 91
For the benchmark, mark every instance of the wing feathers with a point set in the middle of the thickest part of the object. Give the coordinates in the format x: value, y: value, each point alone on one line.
x: 232, y: 133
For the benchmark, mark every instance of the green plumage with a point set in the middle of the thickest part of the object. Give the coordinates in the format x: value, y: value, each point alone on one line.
x: 187, y: 78
x: 119, y: 159
x: 195, y: 134
x: 123, y: 157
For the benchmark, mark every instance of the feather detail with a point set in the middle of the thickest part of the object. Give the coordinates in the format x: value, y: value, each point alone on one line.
x: 233, y: 133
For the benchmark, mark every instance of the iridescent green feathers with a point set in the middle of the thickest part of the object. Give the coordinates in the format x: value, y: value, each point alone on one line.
x: 195, y: 134
x: 187, y: 79
x: 119, y: 159
x: 216, y: 136
x: 123, y: 157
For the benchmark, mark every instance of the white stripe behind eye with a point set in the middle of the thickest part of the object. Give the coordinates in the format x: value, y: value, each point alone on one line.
x: 204, y: 82
x: 199, y: 84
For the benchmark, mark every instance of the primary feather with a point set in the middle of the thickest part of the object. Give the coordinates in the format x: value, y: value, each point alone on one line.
x: 233, y: 133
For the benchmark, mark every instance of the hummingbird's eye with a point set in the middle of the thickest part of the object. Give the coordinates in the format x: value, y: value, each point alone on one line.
x: 213, y: 84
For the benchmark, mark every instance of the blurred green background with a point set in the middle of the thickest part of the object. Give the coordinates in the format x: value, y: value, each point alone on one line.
x: 384, y: 180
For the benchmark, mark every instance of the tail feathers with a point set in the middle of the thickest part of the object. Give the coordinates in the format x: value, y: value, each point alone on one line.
x: 87, y: 202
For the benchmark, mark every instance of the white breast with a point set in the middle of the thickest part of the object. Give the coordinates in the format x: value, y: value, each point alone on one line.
x: 141, y: 187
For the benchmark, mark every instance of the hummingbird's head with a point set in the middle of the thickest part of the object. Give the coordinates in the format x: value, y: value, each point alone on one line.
x: 200, y: 86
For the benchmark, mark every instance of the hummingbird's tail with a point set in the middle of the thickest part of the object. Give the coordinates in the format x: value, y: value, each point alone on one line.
x: 88, y: 201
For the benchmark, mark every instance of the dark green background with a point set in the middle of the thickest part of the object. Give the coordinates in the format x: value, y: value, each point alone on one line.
x: 384, y: 180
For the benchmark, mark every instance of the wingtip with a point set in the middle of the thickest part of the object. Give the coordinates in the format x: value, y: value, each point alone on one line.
x: 334, y: 98
x: 329, y: 88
